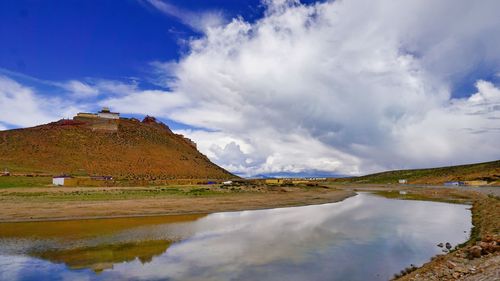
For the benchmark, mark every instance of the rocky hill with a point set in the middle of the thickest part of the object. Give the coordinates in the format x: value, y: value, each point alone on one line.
x: 488, y: 171
x: 123, y: 148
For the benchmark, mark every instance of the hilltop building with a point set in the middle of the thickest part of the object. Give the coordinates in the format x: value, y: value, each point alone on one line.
x: 108, y: 121
x: 104, y: 120
x: 105, y: 113
x: 86, y: 115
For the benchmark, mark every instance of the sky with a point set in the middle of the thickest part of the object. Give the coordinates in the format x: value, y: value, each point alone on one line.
x: 269, y: 87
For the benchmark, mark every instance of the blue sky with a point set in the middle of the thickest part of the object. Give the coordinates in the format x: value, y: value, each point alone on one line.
x: 45, y: 42
x: 268, y: 87
x: 63, y: 40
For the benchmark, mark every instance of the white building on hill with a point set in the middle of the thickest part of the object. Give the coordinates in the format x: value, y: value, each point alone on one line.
x: 107, y: 114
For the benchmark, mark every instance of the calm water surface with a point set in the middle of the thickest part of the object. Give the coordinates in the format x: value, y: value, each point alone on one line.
x: 362, y: 238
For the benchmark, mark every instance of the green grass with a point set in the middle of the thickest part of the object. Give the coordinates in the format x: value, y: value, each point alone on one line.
x: 103, y: 194
x: 18, y: 181
x: 201, y: 192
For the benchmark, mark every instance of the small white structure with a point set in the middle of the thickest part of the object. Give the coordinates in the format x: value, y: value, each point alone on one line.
x: 59, y: 180
x: 403, y: 181
x: 107, y: 114
x: 227, y: 182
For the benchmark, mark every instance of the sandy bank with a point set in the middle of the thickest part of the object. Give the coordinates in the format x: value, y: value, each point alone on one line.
x: 42, y: 204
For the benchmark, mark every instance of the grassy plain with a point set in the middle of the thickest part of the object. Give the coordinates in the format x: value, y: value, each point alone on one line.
x: 55, y: 203
x: 15, y: 181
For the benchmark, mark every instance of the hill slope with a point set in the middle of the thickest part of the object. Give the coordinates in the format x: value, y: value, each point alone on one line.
x: 125, y: 148
x: 489, y: 171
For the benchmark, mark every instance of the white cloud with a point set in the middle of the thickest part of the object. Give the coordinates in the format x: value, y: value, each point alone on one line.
x: 116, y: 87
x: 19, y: 105
x: 77, y: 89
x: 245, y: 155
x: 349, y: 86
x: 151, y: 102
x: 22, y: 106
x: 198, y: 21
x: 80, y: 89
x: 487, y: 94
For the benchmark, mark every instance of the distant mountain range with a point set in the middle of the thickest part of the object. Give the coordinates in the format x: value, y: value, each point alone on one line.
x: 303, y: 174
x: 120, y: 147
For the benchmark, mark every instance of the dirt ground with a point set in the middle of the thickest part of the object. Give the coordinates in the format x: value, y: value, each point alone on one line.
x: 38, y: 204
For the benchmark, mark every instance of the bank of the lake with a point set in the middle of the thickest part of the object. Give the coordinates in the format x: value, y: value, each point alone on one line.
x: 62, y: 203
x: 364, y: 237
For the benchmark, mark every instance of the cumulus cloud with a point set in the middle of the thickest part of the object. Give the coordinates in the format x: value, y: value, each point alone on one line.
x: 345, y: 86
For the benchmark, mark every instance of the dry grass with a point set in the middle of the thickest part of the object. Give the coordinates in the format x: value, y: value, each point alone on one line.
x: 137, y: 151
x: 28, y: 204
x: 489, y: 171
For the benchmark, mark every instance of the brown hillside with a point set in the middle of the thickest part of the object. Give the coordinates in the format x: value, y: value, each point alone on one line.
x: 125, y: 148
x: 488, y: 171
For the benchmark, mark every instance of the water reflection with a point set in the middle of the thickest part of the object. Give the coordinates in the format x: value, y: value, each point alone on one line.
x: 99, y: 258
x: 361, y: 238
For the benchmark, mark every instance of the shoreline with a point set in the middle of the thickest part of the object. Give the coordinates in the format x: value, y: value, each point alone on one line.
x: 20, y: 210
x: 476, y: 259
x: 172, y: 213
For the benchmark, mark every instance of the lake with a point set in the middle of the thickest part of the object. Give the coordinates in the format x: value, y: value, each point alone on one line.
x: 365, y: 237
